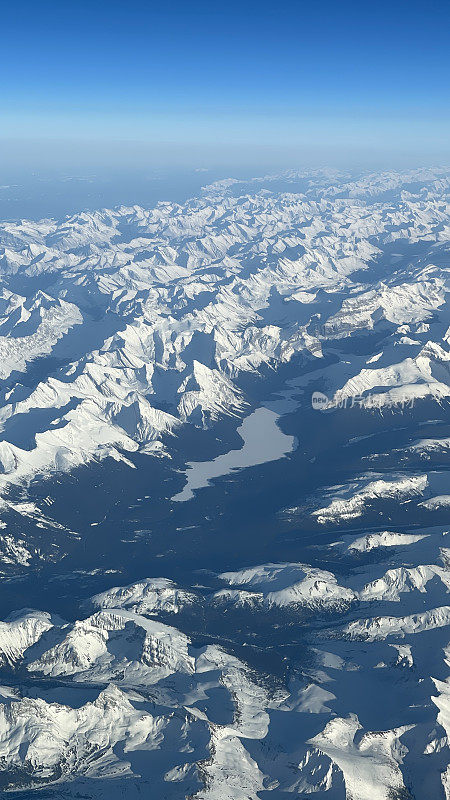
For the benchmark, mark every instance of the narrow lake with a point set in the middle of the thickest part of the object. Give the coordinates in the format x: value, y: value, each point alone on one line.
x: 262, y: 441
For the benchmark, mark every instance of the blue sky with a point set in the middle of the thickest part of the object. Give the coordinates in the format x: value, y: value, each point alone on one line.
x: 230, y: 78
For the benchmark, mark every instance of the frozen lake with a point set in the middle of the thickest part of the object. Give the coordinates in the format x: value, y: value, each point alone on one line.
x: 263, y: 441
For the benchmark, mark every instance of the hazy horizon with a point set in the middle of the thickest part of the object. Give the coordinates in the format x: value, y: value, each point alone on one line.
x: 246, y: 86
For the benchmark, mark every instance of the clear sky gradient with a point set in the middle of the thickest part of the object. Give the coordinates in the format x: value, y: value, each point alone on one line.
x: 209, y: 81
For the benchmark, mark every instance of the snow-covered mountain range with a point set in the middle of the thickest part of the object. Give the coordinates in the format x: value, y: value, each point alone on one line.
x: 284, y: 629
x: 147, y: 317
